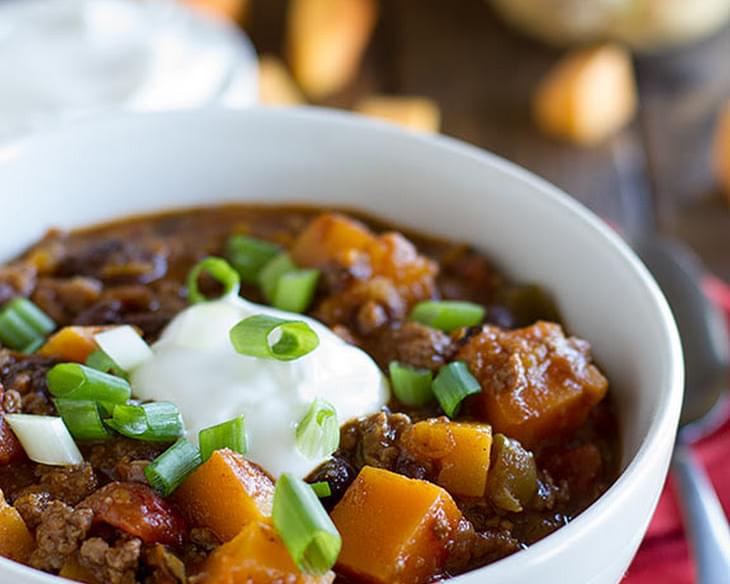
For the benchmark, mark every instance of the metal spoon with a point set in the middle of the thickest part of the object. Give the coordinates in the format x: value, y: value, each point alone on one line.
x: 707, y: 359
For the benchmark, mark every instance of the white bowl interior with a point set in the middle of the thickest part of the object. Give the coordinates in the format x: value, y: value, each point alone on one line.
x: 147, y: 163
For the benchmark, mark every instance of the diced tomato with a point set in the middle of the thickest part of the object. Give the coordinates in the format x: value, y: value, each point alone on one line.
x: 137, y: 510
x: 10, y: 448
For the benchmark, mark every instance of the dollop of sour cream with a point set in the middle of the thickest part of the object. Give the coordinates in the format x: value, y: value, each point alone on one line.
x: 195, y: 366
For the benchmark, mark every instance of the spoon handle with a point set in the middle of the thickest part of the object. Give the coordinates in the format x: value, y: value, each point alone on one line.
x: 704, y: 520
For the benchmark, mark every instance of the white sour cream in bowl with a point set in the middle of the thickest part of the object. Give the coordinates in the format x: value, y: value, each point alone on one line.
x: 195, y: 366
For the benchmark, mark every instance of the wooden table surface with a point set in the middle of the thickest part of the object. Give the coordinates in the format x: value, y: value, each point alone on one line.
x: 654, y: 174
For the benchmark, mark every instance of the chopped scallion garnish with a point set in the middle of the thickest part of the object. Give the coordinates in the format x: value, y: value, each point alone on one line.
x: 249, y: 256
x: 295, y: 290
x: 411, y: 385
x: 74, y: 381
x: 168, y: 470
x: 230, y: 434
x: 268, y: 337
x: 24, y: 326
x: 217, y: 268
x: 154, y: 421
x: 100, y: 361
x: 34, y: 346
x: 453, y: 383
x: 304, y: 526
x: 318, y: 434
x: 82, y: 418
x: 272, y: 272
x: 45, y: 439
x: 321, y: 489
x: 448, y: 315
x: 124, y: 347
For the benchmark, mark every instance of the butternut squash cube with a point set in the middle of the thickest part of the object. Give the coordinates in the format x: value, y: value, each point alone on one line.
x: 589, y: 95
x: 330, y: 237
x: 463, y: 455
x: 256, y: 556
x: 16, y: 542
x: 326, y: 41
x: 225, y: 494
x: 72, y: 343
x: 461, y: 450
x: 536, y: 382
x: 73, y: 570
x: 394, y: 529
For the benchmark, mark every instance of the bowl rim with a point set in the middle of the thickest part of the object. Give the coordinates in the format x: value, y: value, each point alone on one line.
x: 665, y: 417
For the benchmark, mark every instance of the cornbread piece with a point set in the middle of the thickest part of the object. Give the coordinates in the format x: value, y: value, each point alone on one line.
x: 588, y: 95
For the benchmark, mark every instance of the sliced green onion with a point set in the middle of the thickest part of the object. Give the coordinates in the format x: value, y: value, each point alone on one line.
x: 453, y: 383
x: 100, y: 361
x: 230, y: 434
x: 34, y: 346
x: 167, y: 471
x: 124, y: 347
x: 268, y: 337
x: 31, y: 314
x: 411, y: 385
x: 23, y: 325
x: 220, y: 270
x: 154, y: 422
x: 318, y: 434
x: 15, y: 333
x: 74, y: 381
x: 304, y: 526
x: 45, y: 439
x: 272, y: 272
x: 448, y: 315
x: 249, y: 256
x: 321, y: 489
x: 82, y: 418
x: 295, y: 290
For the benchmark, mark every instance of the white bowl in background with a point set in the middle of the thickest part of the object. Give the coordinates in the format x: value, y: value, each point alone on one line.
x: 141, y: 163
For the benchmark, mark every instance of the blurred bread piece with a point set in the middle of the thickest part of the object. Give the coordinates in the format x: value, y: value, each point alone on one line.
x: 589, y: 95
x: 326, y: 41
x: 276, y: 86
x: 415, y: 113
x: 235, y: 10
x: 721, y: 150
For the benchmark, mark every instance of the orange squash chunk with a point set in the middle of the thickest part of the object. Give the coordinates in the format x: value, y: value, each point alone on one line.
x: 73, y: 570
x: 256, y: 556
x: 382, y: 276
x: 462, y: 450
x: 536, y: 382
x: 396, y: 258
x: 394, y: 529
x: 16, y: 542
x: 72, y: 343
x: 330, y: 237
x: 226, y: 493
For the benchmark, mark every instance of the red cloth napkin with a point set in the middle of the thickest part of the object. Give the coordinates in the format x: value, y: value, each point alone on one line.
x: 664, y: 556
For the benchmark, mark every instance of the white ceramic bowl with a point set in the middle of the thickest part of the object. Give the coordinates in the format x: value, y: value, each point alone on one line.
x: 139, y: 164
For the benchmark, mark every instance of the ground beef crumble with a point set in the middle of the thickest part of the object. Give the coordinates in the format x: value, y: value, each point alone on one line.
x: 115, y: 564
x: 31, y: 507
x: 59, y: 534
x: 70, y: 484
